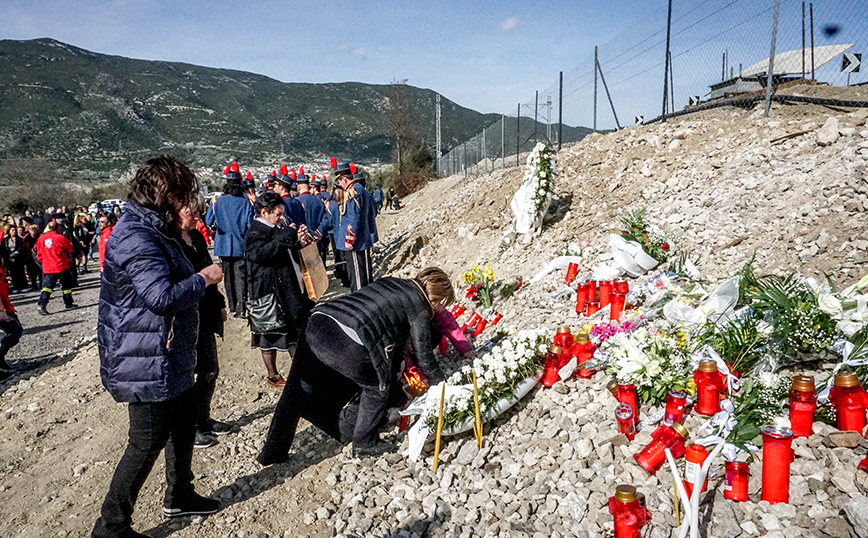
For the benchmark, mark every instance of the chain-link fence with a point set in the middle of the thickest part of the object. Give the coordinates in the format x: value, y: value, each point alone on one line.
x: 710, y: 53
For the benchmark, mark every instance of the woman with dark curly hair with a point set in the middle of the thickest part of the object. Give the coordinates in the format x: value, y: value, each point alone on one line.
x: 147, y: 332
x: 272, y: 247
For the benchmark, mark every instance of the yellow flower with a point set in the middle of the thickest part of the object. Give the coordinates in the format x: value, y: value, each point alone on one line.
x: 691, y: 387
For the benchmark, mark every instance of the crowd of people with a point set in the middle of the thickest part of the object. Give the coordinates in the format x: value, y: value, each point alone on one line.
x: 160, y: 311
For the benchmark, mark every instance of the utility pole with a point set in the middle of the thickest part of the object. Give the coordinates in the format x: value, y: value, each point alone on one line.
x: 803, y: 39
x: 666, y: 62
x: 549, y: 120
x: 561, y: 111
x: 812, y: 41
x: 535, y: 115
x: 517, y: 135
x: 438, y: 135
x: 771, y: 74
x: 596, y: 62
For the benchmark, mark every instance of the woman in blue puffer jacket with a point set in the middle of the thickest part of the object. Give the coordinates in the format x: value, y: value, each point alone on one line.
x: 147, y: 331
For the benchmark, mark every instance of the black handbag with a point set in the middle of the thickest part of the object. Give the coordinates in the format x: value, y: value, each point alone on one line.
x: 264, y: 314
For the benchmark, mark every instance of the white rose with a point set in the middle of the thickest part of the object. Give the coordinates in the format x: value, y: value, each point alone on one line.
x: 830, y: 304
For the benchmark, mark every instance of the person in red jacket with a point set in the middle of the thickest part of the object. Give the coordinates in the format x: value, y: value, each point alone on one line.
x: 9, y: 324
x: 106, y: 225
x: 54, y: 252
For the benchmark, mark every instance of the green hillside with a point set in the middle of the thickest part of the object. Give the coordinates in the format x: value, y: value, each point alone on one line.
x: 95, y: 115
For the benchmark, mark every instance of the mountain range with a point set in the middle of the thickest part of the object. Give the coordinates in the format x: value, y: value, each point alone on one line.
x: 93, y: 116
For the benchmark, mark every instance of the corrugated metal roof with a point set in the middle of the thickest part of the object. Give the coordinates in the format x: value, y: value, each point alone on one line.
x: 790, y: 62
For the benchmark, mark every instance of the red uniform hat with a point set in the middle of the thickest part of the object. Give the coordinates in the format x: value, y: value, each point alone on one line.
x: 226, y: 170
x: 235, y: 167
x: 283, y: 170
x: 292, y: 175
x: 353, y: 168
x: 333, y: 163
x: 301, y: 170
x: 249, y: 175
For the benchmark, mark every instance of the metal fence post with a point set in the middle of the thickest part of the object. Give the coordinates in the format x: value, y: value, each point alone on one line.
x: 771, y: 74
x: 560, y: 110
x: 502, y: 142
x: 517, y: 135
x: 666, y: 62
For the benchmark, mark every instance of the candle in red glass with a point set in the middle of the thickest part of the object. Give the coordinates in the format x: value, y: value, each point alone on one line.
x: 563, y: 338
x: 629, y: 512
x: 404, y: 423
x: 581, y: 298
x: 592, y: 308
x: 480, y: 326
x: 709, y: 383
x: 605, y: 287
x: 694, y: 457
x: 863, y: 465
x: 583, y: 350
x: 653, y: 455
x: 497, y: 318
x: 675, y: 402
x: 620, y: 286
x: 850, y: 401
x: 552, y: 363
x: 572, y: 270
x: 735, y: 488
x: 627, y: 395
x: 443, y: 346
x: 592, y: 290
x: 457, y: 310
x: 777, y: 456
x: 624, y: 416
x: 803, y: 404
x: 613, y: 388
x: 616, y: 303
x: 474, y: 319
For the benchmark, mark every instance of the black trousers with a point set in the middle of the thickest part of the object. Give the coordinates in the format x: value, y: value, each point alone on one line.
x: 207, y: 369
x: 317, y: 392
x: 340, y: 269
x: 235, y: 282
x: 13, y: 331
x: 34, y: 272
x: 153, y: 427
x: 49, y: 280
x: 359, y: 267
x: 17, y: 275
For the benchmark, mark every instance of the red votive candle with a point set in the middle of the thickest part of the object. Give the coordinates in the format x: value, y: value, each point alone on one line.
x: 457, y: 310
x: 803, y: 404
x: 735, y: 485
x: 850, y: 401
x: 675, y: 402
x: 474, y: 319
x: 581, y: 298
x: 777, y: 456
x: 616, y: 303
x: 464, y: 328
x: 592, y: 290
x: 620, y: 286
x: 583, y: 350
x: 441, y: 348
x: 629, y: 512
x: 552, y: 363
x: 480, y: 326
x: 497, y: 318
x: 624, y: 416
x: 572, y: 271
x: 653, y: 455
x: 605, y: 287
x: 708, y: 386
x: 592, y: 308
x: 627, y: 395
x: 694, y: 457
x: 563, y: 338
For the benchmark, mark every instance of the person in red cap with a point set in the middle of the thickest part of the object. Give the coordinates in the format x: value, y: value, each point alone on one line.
x: 54, y: 252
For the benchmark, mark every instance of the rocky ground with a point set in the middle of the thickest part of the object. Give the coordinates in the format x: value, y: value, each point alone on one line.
x: 727, y: 181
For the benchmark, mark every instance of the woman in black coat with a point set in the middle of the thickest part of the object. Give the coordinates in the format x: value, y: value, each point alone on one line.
x: 272, y: 254
x: 354, y: 345
x: 212, y: 315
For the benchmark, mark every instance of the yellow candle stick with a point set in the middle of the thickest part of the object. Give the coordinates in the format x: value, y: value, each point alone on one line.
x: 439, y: 429
x: 477, y: 424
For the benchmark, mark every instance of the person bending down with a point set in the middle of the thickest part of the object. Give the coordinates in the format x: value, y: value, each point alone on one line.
x: 354, y: 345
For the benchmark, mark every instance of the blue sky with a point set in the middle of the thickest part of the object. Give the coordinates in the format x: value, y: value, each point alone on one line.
x: 484, y: 55
x: 488, y: 56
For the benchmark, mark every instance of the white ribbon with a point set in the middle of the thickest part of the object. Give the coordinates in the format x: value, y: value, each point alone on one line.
x: 561, y: 262
x: 708, y: 352
x: 722, y: 422
x: 846, y: 347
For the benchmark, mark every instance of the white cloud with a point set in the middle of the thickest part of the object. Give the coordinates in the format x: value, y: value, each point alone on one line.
x: 510, y: 24
x: 359, y: 53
